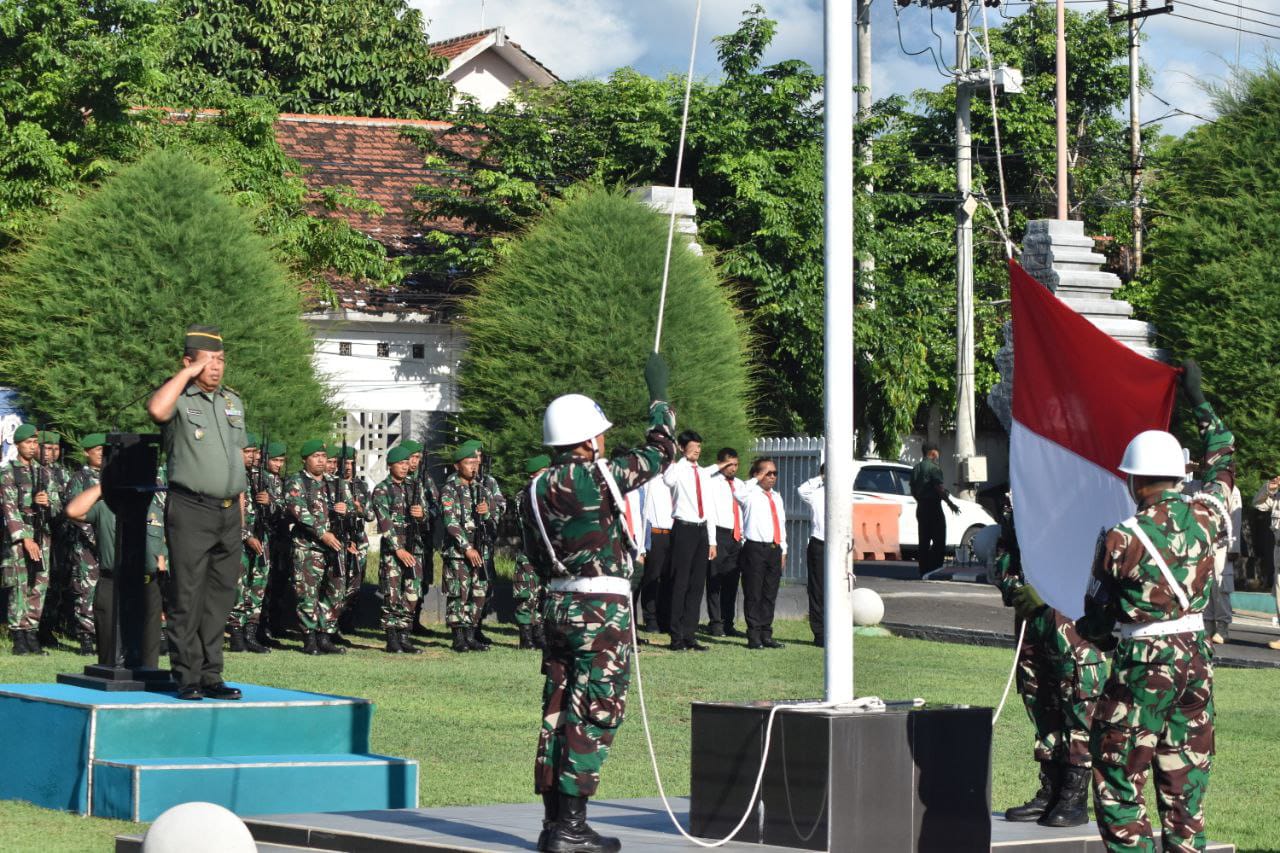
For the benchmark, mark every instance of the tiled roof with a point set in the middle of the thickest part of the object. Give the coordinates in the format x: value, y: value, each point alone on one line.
x: 454, y: 47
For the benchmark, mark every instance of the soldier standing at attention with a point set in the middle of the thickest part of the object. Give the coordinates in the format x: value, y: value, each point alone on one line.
x: 1153, y: 574
x: 84, y: 544
x: 27, y: 501
x: 526, y: 587
x: 396, y: 513
x: 59, y: 606
x: 279, y: 547
x: 242, y: 624
x: 465, y: 582
x: 487, y: 492
x: 356, y: 490
x: 202, y: 424
x: 576, y: 515
x: 930, y: 495
x: 316, y: 549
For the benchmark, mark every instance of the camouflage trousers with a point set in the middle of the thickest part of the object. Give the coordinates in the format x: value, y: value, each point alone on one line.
x: 1059, y: 677
x: 318, y: 584
x: 587, y: 663
x: 251, y: 591
x: 352, y: 577
x: 401, y: 590
x: 528, y: 590
x: 30, y: 584
x: 1156, y: 710
x: 465, y: 589
x: 84, y: 580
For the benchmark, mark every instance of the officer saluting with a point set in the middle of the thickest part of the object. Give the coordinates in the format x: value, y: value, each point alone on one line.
x: 202, y: 423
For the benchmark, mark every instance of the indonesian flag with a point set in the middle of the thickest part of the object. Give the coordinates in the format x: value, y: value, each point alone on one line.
x: 1079, y: 396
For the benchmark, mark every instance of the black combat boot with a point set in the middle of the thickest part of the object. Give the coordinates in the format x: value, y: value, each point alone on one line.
x: 571, y: 834
x: 474, y: 642
x: 539, y: 637
x: 251, y: 641
x: 237, y: 638
x: 1035, y: 808
x: 550, y: 813
x: 526, y: 637
x: 86, y: 645
x: 309, y: 646
x: 324, y: 642
x: 393, y: 641
x: 480, y: 638
x: 33, y: 644
x: 460, y: 643
x: 1072, y: 806
x: 405, y: 646
x: 19, y: 642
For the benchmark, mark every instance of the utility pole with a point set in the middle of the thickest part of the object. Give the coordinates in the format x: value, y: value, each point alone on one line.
x: 966, y: 443
x: 867, y: 262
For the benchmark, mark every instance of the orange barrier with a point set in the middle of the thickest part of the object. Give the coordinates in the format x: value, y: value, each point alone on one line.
x: 875, y: 530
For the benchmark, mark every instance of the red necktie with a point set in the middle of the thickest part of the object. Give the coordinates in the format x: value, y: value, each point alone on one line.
x: 737, y: 515
x: 773, y: 512
x: 697, y: 484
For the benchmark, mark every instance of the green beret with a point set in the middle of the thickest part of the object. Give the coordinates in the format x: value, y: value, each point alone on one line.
x: 414, y: 446
x: 93, y: 439
x: 251, y: 439
x: 48, y: 436
x: 23, y: 432
x: 467, y: 449
x: 203, y: 337
x: 534, y: 464
x: 399, y: 453
x: 311, y: 447
x: 348, y: 453
x: 277, y: 448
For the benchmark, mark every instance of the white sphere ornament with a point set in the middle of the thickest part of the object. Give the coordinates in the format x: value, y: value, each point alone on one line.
x: 198, y: 828
x: 868, y: 607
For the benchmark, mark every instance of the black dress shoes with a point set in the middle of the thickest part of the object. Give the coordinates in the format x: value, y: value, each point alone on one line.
x: 221, y: 691
x: 191, y: 693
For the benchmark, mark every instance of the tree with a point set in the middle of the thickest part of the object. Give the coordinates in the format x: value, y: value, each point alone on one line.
x: 92, y: 314
x: 572, y: 307
x: 1210, y: 287
x: 356, y: 57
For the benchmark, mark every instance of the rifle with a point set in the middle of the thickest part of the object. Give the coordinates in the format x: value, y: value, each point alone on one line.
x: 486, y: 530
x: 348, y: 521
x: 261, y: 522
x: 41, y: 520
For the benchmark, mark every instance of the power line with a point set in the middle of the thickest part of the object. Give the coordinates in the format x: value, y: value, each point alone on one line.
x: 1225, y: 26
x: 1212, y: 11
x: 1239, y: 6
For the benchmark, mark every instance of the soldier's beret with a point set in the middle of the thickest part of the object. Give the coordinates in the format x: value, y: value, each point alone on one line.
x: 203, y: 337
x: 311, y: 446
x: 251, y: 439
x: 23, y: 432
x: 414, y: 446
x: 93, y: 439
x: 399, y: 453
x: 534, y: 464
x: 48, y: 436
x: 277, y: 448
x: 348, y: 453
x: 467, y: 449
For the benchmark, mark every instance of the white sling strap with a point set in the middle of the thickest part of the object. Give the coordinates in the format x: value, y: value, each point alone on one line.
x: 618, y: 502
x: 542, y: 529
x: 614, y: 492
x: 1131, y: 524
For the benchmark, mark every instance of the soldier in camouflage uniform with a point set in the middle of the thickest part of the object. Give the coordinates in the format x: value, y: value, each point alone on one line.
x: 465, y: 505
x: 279, y: 604
x: 84, y: 545
x: 158, y: 548
x: 395, y: 510
x: 28, y: 502
x: 526, y: 587
x: 426, y: 493
x: 1059, y: 677
x: 242, y: 622
x: 1153, y: 575
x: 59, y: 607
x: 317, y: 563
x: 576, y: 515
x: 356, y: 491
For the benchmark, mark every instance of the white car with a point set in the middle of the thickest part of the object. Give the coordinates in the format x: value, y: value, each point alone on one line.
x: 891, y: 481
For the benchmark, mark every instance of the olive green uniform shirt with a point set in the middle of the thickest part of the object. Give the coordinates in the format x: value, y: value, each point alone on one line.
x: 203, y: 442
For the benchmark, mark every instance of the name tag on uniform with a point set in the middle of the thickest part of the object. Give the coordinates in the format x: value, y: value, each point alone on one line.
x: 195, y: 413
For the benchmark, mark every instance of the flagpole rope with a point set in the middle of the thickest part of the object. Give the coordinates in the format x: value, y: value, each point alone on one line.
x: 1017, y: 650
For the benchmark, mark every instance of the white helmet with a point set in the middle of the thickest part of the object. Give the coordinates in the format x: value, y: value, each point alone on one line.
x: 1154, y: 453
x: 572, y: 419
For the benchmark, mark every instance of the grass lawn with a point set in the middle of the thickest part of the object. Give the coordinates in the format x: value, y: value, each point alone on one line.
x: 471, y: 721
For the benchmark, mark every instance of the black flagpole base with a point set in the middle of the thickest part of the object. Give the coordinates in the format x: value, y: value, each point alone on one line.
x: 121, y: 678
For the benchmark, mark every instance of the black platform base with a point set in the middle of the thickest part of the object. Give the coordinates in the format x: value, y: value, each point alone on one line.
x: 118, y: 678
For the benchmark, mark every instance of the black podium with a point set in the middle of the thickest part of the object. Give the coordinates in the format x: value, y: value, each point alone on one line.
x: 129, y: 469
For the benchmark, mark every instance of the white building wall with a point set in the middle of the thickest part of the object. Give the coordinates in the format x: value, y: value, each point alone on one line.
x: 488, y: 78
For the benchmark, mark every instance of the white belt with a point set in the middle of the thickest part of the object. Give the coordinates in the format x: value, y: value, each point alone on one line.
x: 1188, y: 624
x: 594, y: 586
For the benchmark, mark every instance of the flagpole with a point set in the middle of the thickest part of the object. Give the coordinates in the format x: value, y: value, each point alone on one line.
x: 1061, y: 110
x: 838, y: 347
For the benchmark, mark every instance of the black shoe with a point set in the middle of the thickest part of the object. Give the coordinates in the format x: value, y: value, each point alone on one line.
x: 474, y: 642
x: 324, y: 643
x: 393, y: 641
x: 695, y: 646
x: 251, y: 642
x: 526, y: 637
x: 540, y: 638
x: 755, y: 644
x: 338, y: 640
x: 309, y: 646
x: 19, y: 642
x: 1035, y: 808
x: 405, y: 646
x: 1072, y: 806
x: 237, y: 639
x: 347, y: 622
x: 221, y: 690
x: 679, y: 646
x: 86, y: 645
x: 819, y: 642
x: 771, y: 643
x: 481, y: 638
x: 730, y: 631
x: 191, y: 693
x: 460, y: 643
x: 716, y: 630
x: 550, y: 814
x: 571, y: 833
x: 34, y: 647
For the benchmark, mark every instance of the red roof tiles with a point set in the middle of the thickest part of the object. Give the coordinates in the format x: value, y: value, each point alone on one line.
x: 454, y: 47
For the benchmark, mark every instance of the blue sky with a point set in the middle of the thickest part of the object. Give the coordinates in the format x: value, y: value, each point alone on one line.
x: 590, y: 38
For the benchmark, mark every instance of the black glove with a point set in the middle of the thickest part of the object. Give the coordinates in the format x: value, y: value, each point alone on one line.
x: 655, y: 376
x: 1191, y: 382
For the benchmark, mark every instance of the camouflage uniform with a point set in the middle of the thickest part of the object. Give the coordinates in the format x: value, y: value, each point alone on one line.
x: 252, y: 588
x: 60, y: 603
x: 280, y: 552
x: 157, y: 544
x: 356, y: 493
x: 526, y: 587
x: 29, y: 580
x: 317, y: 569
x: 400, y: 586
x: 426, y: 493
x: 588, y: 653
x: 465, y: 586
x: 1157, y: 706
x: 83, y: 555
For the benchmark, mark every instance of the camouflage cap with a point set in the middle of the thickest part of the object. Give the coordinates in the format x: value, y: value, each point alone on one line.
x: 203, y: 337
x: 399, y: 453
x: 467, y: 449
x: 534, y: 464
x: 277, y: 449
x: 311, y: 447
x: 92, y: 440
x: 23, y: 432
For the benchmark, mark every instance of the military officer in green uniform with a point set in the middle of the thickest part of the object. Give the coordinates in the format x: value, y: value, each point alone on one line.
x: 1153, y: 575
x: 526, y: 587
x: 28, y: 502
x: 576, y: 514
x: 84, y: 546
x: 465, y: 506
x: 396, y: 511
x: 317, y: 551
x: 930, y: 495
x: 203, y: 427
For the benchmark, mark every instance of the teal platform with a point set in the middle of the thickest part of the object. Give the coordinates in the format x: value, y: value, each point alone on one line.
x: 132, y: 755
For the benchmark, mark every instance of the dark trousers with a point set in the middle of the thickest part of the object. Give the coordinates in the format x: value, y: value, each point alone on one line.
x: 933, y: 535
x: 140, y: 633
x: 761, y: 573
x: 1217, y: 615
x: 655, y: 583
x: 722, y: 580
x: 688, y: 578
x: 204, y: 556
x: 814, y: 557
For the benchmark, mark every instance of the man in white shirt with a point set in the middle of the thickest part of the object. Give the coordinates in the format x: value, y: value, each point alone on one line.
x: 814, y: 492
x: 692, y: 541
x: 724, y: 572
x: 765, y: 527
x: 655, y: 583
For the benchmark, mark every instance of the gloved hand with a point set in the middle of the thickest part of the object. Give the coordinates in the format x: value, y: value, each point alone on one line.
x: 656, y: 374
x: 1191, y: 382
x: 1027, y: 602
